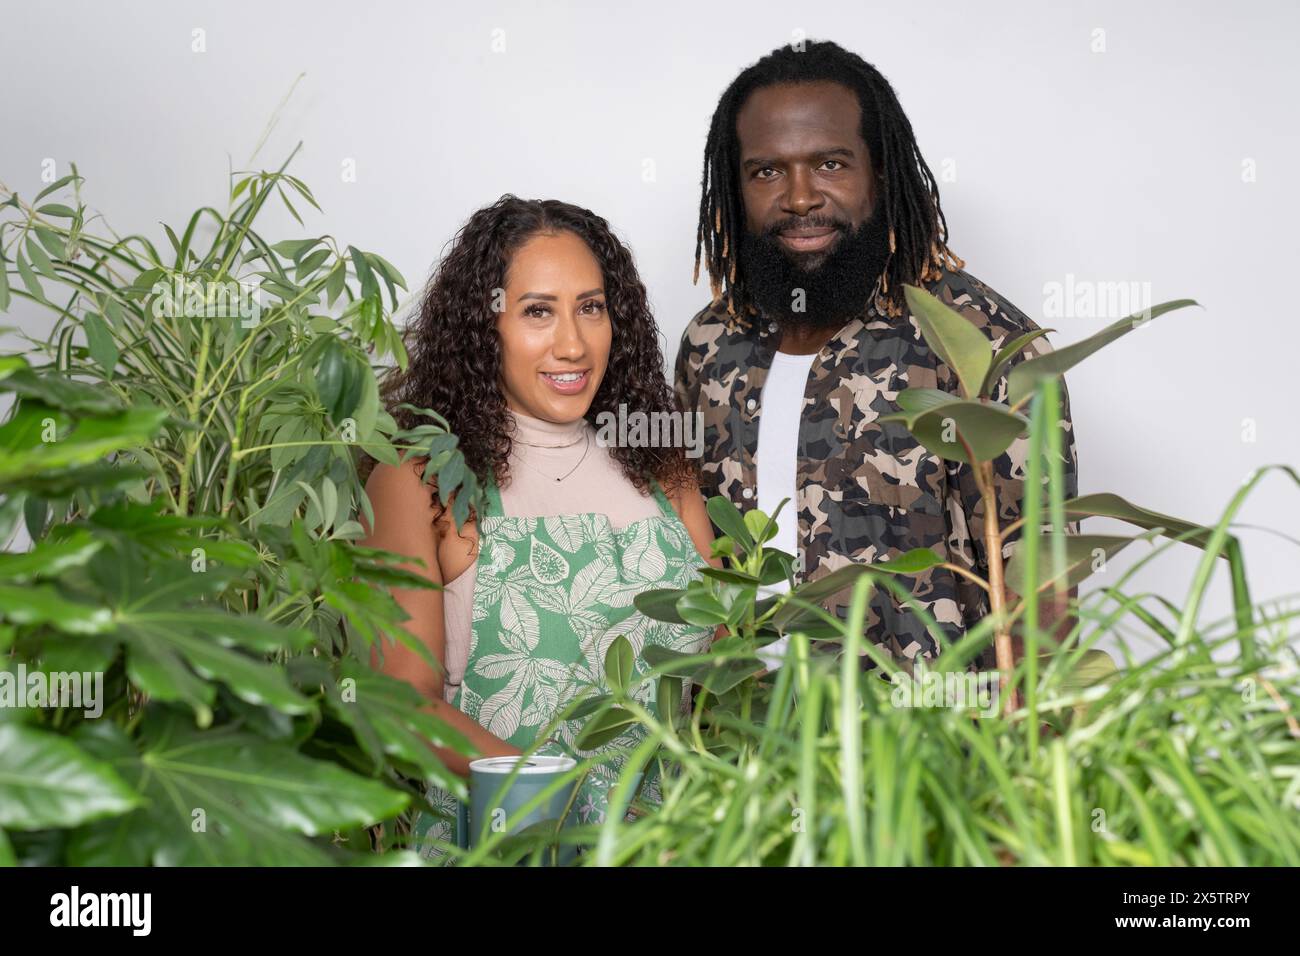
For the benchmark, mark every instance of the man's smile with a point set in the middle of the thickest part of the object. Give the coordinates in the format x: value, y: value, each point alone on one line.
x: 807, y: 238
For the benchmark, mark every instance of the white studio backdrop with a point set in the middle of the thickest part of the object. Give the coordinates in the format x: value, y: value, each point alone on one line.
x: 1078, y: 146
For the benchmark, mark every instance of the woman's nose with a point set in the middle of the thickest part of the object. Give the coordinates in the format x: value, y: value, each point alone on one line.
x: 568, y: 342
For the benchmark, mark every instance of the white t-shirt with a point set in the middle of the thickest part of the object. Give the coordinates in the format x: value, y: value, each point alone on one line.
x: 777, y: 459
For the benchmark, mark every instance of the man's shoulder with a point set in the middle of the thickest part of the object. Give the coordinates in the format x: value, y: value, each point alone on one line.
x: 712, y: 329
x: 713, y: 316
x: 988, y: 309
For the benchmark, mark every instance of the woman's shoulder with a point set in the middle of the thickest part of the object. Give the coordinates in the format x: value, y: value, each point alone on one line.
x: 403, y: 481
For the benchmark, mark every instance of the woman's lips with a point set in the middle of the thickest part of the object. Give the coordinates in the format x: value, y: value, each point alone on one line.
x: 567, y: 388
x: 813, y: 240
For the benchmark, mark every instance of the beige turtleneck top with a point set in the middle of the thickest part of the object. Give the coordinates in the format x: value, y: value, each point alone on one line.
x: 543, y: 451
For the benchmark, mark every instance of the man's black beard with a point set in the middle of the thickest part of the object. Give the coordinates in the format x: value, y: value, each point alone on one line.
x: 836, y: 288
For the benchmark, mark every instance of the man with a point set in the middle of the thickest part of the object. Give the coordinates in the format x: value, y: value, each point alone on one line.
x: 817, y: 208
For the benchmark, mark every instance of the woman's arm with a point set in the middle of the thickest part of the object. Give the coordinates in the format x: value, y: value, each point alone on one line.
x: 689, y: 504
x: 404, y: 523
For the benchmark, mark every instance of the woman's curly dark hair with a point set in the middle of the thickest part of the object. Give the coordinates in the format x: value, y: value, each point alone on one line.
x: 455, y: 351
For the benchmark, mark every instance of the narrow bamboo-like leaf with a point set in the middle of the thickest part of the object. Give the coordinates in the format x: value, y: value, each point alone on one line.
x: 100, y: 342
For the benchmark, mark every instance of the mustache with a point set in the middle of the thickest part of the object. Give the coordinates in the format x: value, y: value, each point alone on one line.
x: 806, y: 223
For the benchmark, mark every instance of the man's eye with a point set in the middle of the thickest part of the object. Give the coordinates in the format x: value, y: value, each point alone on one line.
x: 835, y: 161
x: 766, y: 169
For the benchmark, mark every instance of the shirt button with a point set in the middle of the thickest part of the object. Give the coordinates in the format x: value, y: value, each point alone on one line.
x: 747, y: 493
x: 771, y: 326
x: 751, y: 405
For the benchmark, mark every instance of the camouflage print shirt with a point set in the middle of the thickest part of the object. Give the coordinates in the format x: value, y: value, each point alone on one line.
x: 867, y: 490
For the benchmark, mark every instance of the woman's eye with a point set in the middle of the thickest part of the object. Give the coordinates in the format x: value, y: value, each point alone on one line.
x: 536, y: 311
x: 595, y: 307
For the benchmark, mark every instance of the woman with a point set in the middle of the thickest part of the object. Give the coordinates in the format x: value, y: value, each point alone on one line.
x: 533, y: 324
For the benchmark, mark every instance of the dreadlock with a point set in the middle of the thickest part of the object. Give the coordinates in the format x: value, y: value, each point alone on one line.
x: 918, y: 232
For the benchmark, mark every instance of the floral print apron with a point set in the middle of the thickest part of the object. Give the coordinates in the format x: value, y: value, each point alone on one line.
x: 550, y: 596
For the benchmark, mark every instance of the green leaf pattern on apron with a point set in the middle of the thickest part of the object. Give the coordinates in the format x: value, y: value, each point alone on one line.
x: 550, y: 597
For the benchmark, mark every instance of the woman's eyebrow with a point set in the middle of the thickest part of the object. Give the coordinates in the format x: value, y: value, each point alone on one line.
x: 547, y: 297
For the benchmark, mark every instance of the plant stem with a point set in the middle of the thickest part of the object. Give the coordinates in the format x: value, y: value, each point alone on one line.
x: 997, y: 584
x: 192, y: 408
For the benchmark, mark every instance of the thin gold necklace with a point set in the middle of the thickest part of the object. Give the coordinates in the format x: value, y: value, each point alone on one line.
x: 586, y: 449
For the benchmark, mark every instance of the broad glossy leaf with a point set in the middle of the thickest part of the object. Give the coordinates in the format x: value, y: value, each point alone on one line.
x: 729, y: 521
x: 50, y: 557
x: 660, y: 604
x: 698, y: 606
x: 391, y: 721
x: 960, y: 345
x: 988, y: 429
x: 909, y: 562
x: 89, y: 440
x: 44, y: 604
x: 257, y: 798
x: 46, y: 780
x: 604, y: 727
x: 60, y: 391
x: 620, y: 662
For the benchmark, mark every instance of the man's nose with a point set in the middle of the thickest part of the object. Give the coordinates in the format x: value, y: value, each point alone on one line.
x: 802, y: 195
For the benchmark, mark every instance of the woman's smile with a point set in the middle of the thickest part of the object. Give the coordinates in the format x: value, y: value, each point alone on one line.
x: 568, y: 383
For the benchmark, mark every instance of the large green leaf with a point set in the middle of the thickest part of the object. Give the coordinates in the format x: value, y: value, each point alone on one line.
x: 620, y: 662
x: 988, y: 429
x: 917, y: 401
x: 225, y: 797
x: 700, y: 607
x: 89, y: 440
x: 791, y: 617
x: 48, y: 781
x: 58, y: 390
x: 157, y: 641
x: 717, y: 676
x: 50, y: 557
x: 909, y: 562
x: 729, y: 521
x: 1025, y: 377
x: 44, y: 604
x: 604, y: 726
x: 660, y: 604
x: 960, y: 345
x: 391, y: 721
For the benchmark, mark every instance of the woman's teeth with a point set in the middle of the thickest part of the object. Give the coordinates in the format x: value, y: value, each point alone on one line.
x: 566, y: 377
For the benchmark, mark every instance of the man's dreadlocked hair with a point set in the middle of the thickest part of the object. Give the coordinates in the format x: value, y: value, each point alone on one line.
x: 909, y: 199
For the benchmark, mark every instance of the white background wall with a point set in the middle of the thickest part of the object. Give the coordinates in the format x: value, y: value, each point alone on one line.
x: 1117, y: 166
